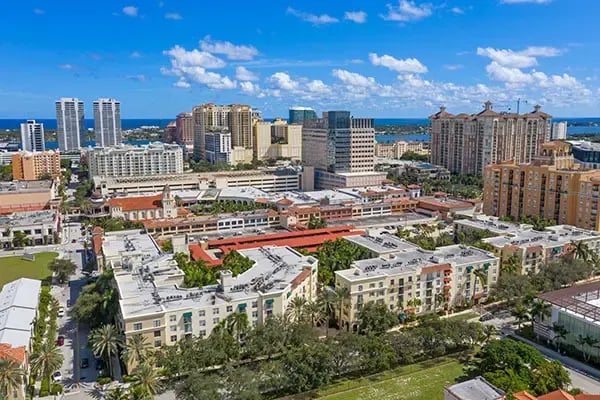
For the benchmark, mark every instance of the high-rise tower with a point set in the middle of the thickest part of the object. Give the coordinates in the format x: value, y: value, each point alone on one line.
x: 107, y: 122
x: 70, y: 124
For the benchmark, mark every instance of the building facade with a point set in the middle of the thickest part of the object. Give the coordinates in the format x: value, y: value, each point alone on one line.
x: 144, y: 208
x: 218, y: 147
x: 32, y: 136
x: 397, y: 149
x: 107, y: 122
x: 297, y: 115
x: 134, y: 161
x: 587, y: 154
x: 276, y: 140
x: 70, y: 124
x: 185, y: 128
x: 559, y: 131
x: 465, y: 143
x: 552, y: 186
x: 39, y: 227
x: 28, y: 166
x: 28, y: 196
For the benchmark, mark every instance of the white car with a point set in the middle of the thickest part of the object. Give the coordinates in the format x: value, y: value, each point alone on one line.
x: 57, y: 377
x: 61, y: 312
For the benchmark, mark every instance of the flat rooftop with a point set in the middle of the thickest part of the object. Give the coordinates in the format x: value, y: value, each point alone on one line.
x: 18, y: 306
x: 133, y: 241
x: 26, y: 218
x: 25, y: 186
x: 413, y: 260
x: 242, y: 192
x: 334, y: 196
x: 475, y: 389
x: 155, y: 287
x: 553, y: 236
x: 383, y: 244
x: 493, y: 224
x: 392, y: 221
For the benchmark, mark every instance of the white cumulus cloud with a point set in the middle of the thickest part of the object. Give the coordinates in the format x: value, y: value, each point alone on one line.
x: 312, y: 18
x: 353, y: 78
x: 130, y: 11
x: 230, y: 50
x: 407, y: 10
x: 360, y: 17
x: 282, y: 80
x: 243, y: 74
x: 518, y: 59
x: 411, y: 65
x: 193, y: 58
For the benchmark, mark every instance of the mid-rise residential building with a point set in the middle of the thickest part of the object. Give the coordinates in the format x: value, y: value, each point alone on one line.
x: 277, y: 139
x: 240, y: 126
x: 465, y: 143
x: 40, y: 227
x: 185, y: 129
x: 412, y: 280
x: 528, y: 248
x: 155, y: 303
x: 396, y: 150
x: 32, y: 136
x: 135, y: 161
x: 217, y: 147
x: 587, y: 154
x: 107, y: 122
x: 28, y: 196
x: 298, y: 115
x: 553, y: 186
x: 341, y: 149
x: 70, y: 124
x: 170, y: 133
x: 559, y: 131
x: 28, y: 166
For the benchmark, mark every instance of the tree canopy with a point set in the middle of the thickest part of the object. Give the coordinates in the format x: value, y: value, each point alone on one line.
x: 337, y: 255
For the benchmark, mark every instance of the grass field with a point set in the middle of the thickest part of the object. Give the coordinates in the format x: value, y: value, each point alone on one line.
x: 464, y: 317
x: 12, y: 268
x: 424, y: 381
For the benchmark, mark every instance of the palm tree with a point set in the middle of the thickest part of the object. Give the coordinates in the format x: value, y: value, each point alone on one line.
x: 540, y: 310
x: 560, y: 334
x: 137, y: 350
x: 438, y: 300
x: 47, y: 360
x: 315, y: 313
x: 327, y: 298
x: 489, y: 331
x: 11, y: 377
x: 482, y: 277
x: 583, y: 342
x: 106, y: 341
x: 237, y: 324
x: 592, y: 343
x: 520, y: 313
x: 511, y: 265
x: 341, y: 295
x: 414, y: 302
x: 296, y: 309
x: 147, y: 380
x: 580, y: 249
x: 118, y: 393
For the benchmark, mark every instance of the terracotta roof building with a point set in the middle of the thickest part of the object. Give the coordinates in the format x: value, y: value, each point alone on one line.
x: 144, y: 208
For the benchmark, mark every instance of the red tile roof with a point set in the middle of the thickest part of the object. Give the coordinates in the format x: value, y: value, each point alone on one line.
x: 137, y: 203
x: 435, y: 268
x: 556, y: 395
x: 14, y: 353
x: 301, y: 277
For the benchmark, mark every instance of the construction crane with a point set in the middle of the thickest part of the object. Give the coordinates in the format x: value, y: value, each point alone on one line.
x: 508, y: 107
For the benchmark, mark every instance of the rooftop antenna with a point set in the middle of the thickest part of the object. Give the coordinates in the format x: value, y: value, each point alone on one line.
x: 519, y: 103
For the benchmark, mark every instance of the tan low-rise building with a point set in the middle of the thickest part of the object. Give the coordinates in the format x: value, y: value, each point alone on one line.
x: 397, y: 149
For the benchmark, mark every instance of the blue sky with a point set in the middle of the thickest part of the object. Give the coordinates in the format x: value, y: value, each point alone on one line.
x: 400, y: 58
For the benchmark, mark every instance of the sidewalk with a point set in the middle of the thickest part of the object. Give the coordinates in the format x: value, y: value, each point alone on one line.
x: 568, y: 361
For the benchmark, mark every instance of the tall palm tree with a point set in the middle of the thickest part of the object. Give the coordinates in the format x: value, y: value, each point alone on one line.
x: 580, y: 249
x: 327, y: 298
x: 237, y: 324
x: 106, y: 341
x: 520, y: 313
x: 540, y: 310
x: 137, y: 350
x: 147, y: 380
x: 315, y: 313
x: 482, y: 277
x: 47, y: 360
x: 11, y: 377
x: 489, y: 331
x: 438, y: 300
x: 296, y: 309
x: 560, y: 334
x: 341, y: 295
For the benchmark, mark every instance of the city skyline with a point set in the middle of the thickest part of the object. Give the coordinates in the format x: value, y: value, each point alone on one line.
x: 376, y: 59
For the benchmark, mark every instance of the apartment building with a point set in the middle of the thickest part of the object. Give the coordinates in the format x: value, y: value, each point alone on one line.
x: 134, y: 161
x: 277, y: 139
x: 587, y: 154
x: 409, y: 280
x: 552, y: 186
x: 465, y: 143
x: 530, y: 248
x: 184, y: 125
x: 32, y: 136
x: 107, y: 122
x: 154, y: 303
x: 559, y: 131
x: 170, y: 133
x: 297, y: 115
x: 40, y: 227
x: 397, y: 149
x: 28, y: 166
x: 70, y: 124
x: 218, y: 147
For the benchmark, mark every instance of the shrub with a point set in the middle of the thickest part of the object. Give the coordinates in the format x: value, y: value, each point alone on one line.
x: 57, y: 388
x: 103, y: 380
x: 128, y: 378
x: 45, y: 387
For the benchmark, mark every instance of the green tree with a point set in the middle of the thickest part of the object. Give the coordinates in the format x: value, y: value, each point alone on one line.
x: 147, y: 380
x: 539, y: 310
x: 47, y: 360
x: 341, y: 295
x: 137, y: 350
x: 11, y: 377
x: 106, y: 341
x: 560, y: 334
x: 316, y: 223
x: 19, y: 239
x: 118, y: 393
x: 337, y: 255
x: 511, y: 265
x: 63, y: 268
x: 488, y: 332
x: 520, y: 312
x: 166, y: 247
x: 236, y: 263
x: 296, y: 309
x: 376, y: 318
x: 316, y: 313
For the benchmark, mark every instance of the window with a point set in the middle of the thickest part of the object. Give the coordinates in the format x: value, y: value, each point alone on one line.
x: 360, y: 288
x: 392, y: 282
x: 254, y: 304
x: 216, y: 320
x: 202, y: 322
x: 229, y: 308
x: 201, y: 313
x: 202, y: 333
x: 173, y: 328
x: 380, y: 284
x: 157, y: 323
x: 173, y: 338
x: 156, y: 333
x: 157, y: 343
x: 137, y: 326
x: 372, y: 285
x: 173, y: 318
x: 254, y: 314
x: 215, y: 311
x: 269, y: 313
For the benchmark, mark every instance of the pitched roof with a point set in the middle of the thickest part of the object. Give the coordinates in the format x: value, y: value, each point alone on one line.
x: 524, y: 396
x: 137, y: 203
x: 585, y: 396
x: 556, y: 395
x: 15, y: 353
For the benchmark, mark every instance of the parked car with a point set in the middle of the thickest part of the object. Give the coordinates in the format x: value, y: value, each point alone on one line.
x: 85, y: 363
x: 74, y: 241
x: 57, y: 376
x: 61, y: 312
x: 60, y: 341
x: 486, y: 317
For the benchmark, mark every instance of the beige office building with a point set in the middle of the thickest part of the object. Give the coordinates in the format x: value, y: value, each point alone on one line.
x: 465, y: 143
x: 277, y: 139
x: 397, y: 149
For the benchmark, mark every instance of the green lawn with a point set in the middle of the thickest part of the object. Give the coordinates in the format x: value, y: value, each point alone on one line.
x: 15, y: 267
x: 464, y: 317
x: 425, y: 381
